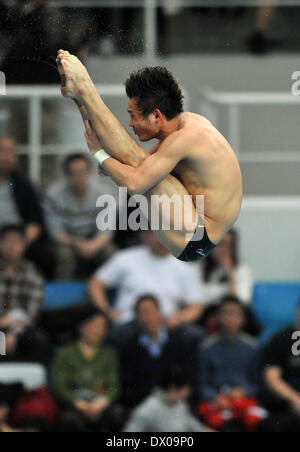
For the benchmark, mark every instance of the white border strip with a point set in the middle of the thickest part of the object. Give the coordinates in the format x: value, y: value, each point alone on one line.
x: 249, y: 98
x: 269, y: 157
x: 271, y: 202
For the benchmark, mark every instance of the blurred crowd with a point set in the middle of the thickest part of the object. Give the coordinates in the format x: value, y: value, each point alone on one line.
x: 160, y: 345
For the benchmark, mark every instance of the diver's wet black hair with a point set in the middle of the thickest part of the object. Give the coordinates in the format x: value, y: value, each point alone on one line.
x: 155, y: 88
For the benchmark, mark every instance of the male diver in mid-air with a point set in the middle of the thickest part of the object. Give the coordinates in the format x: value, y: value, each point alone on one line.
x: 190, y: 158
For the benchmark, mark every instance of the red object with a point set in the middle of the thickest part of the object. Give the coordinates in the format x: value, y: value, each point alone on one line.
x: 242, y: 409
x: 212, y: 415
x: 35, y: 404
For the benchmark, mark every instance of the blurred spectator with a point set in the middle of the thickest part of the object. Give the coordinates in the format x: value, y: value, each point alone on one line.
x: 22, y: 410
x: 14, y: 209
x: 149, y: 352
x: 224, y: 273
x: 106, y: 29
x: 259, y: 42
x: 128, y: 24
x: 35, y: 411
x: 149, y: 269
x: 20, y: 205
x: 169, y: 9
x: 4, y: 413
x: 166, y: 410
x: 282, y: 378
x: 21, y: 299
x: 229, y: 368
x: 71, y: 215
x: 86, y: 374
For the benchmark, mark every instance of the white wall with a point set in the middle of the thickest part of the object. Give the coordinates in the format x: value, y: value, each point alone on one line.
x: 270, y: 237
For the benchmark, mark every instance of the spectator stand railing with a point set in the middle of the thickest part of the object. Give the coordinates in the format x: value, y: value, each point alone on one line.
x: 211, y: 101
x: 35, y: 96
x: 209, y: 104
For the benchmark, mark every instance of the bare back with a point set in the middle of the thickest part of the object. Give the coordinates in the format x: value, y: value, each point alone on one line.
x: 211, y: 169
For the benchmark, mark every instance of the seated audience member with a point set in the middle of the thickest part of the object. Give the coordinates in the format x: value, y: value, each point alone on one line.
x: 86, y: 374
x: 24, y: 410
x: 35, y: 411
x: 229, y: 366
x: 282, y: 380
x: 21, y: 299
x: 20, y: 205
x: 4, y: 413
x: 166, y: 410
x: 151, y: 350
x: 225, y: 274
x: 71, y: 215
x: 149, y: 269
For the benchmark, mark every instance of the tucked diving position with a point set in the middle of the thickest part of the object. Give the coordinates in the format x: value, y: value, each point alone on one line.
x: 191, y: 158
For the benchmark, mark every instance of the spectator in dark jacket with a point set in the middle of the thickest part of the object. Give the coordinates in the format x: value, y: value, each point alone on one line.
x: 149, y: 352
x: 282, y: 379
x: 20, y: 205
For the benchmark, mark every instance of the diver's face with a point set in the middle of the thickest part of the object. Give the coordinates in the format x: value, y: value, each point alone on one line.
x: 145, y: 128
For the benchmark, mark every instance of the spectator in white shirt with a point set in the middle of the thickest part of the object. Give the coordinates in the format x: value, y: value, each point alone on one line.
x: 149, y: 268
x: 225, y: 274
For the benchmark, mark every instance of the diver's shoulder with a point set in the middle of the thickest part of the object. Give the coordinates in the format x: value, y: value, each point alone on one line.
x: 194, y: 125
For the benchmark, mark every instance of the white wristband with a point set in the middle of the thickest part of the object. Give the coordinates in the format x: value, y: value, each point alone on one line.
x: 101, y: 156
